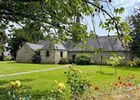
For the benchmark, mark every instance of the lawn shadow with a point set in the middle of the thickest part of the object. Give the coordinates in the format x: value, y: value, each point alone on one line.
x: 3, y: 94
x: 109, y: 74
x: 103, y: 73
x: 4, y: 89
x: 2, y: 82
x: 26, y: 80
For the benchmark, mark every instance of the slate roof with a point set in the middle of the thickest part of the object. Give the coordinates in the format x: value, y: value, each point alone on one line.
x: 47, y: 45
x: 34, y: 47
x: 111, y: 43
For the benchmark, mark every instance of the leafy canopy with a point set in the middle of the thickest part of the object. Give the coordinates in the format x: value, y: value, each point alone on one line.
x: 60, y: 18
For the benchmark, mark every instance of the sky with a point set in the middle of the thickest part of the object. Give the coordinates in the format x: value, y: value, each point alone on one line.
x: 129, y: 6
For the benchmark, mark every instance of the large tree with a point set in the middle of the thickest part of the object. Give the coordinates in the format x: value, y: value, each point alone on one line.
x: 134, y: 21
x: 60, y: 18
x: 31, y: 32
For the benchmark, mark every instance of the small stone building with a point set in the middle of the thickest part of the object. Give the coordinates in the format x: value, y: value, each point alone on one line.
x: 52, y: 53
x: 49, y: 53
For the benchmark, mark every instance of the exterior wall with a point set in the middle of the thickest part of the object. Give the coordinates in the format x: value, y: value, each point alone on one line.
x: 54, y: 56
x: 25, y: 55
x: 57, y: 55
x: 50, y: 58
x: 97, y: 57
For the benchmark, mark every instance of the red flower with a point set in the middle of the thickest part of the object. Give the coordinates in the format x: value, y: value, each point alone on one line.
x: 116, y: 84
x: 129, y: 84
x: 124, y: 84
x: 119, y: 78
x: 97, y: 88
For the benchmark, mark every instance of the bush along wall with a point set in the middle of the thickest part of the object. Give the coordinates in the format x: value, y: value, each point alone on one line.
x: 83, y: 59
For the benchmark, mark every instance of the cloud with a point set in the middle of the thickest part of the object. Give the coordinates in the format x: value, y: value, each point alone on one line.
x: 126, y: 3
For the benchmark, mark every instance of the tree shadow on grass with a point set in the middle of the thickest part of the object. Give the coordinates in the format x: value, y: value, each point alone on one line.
x: 3, y: 94
x: 26, y: 80
x: 2, y: 82
x: 4, y: 90
x: 103, y: 73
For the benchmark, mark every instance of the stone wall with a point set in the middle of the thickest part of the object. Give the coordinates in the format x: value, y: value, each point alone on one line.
x: 50, y: 59
x: 97, y: 57
x: 54, y: 56
x: 25, y: 55
x: 58, y: 57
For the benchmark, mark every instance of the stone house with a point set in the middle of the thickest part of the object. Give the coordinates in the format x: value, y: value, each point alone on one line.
x: 52, y: 53
x: 106, y: 45
x: 48, y: 53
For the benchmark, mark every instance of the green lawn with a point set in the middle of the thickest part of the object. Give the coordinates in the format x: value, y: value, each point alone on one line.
x: 42, y: 81
x: 13, y: 67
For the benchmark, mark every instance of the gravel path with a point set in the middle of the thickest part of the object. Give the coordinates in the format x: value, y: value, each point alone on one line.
x: 33, y: 71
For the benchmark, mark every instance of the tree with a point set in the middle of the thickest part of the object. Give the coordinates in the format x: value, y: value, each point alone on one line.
x: 3, y: 38
x: 134, y: 22
x: 31, y: 32
x: 60, y: 18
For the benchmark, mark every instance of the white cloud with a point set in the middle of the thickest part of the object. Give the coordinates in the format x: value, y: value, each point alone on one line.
x: 126, y: 3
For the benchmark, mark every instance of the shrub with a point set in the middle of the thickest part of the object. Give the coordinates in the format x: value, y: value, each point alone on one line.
x: 136, y: 60
x: 114, y: 60
x: 79, y: 84
x: 8, y: 58
x: 18, y: 92
x: 63, y: 61
x: 83, y: 59
x: 36, y: 59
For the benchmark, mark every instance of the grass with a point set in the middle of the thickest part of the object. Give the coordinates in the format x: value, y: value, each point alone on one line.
x: 13, y: 67
x: 42, y: 81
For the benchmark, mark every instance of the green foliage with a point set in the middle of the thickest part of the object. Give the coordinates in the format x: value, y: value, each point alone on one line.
x: 8, y: 58
x: 77, y: 82
x: 131, y: 63
x: 114, y: 60
x: 37, y: 58
x: 83, y: 59
x: 119, y: 10
x: 3, y: 40
x: 18, y: 92
x: 134, y: 22
x: 136, y: 60
x: 63, y: 61
x: 31, y: 32
x: 59, y: 18
x: 57, y: 92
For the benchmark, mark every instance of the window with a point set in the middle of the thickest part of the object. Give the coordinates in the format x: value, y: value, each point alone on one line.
x: 47, y: 54
x: 61, y: 54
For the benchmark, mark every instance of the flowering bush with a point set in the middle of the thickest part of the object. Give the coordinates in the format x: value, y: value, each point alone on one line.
x: 114, y: 60
x: 57, y: 92
x: 18, y: 92
x: 77, y: 82
x: 124, y: 83
x: 15, y: 84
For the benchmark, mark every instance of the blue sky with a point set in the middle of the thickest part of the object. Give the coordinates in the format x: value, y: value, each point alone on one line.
x: 129, y: 6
